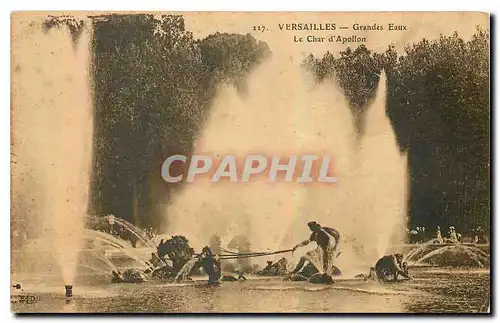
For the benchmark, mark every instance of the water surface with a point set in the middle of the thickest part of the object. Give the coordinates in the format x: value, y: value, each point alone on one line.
x: 433, y: 290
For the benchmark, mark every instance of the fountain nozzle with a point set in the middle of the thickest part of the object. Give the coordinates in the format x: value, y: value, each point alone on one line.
x: 69, y: 290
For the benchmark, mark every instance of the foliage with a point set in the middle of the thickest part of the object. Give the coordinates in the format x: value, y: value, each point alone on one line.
x: 74, y: 25
x: 438, y: 102
x: 153, y: 86
x: 230, y: 56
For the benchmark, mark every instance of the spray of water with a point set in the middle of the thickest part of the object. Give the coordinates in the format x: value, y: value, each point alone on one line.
x: 447, y: 255
x: 283, y: 113
x: 185, y: 270
x: 109, y: 242
x: 51, y: 140
x: 137, y: 232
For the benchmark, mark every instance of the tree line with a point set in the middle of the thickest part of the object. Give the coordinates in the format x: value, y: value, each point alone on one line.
x: 153, y: 85
x: 439, y: 105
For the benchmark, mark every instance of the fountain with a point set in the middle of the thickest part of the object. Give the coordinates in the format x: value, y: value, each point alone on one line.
x: 52, y: 138
x: 298, y: 117
x: 448, y: 255
x: 285, y: 113
x: 185, y: 270
x: 121, y: 246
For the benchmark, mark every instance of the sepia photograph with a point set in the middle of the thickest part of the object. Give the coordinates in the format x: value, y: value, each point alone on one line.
x: 250, y: 162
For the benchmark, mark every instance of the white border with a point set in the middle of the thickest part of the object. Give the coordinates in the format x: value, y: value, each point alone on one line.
x: 258, y: 5
x: 183, y: 5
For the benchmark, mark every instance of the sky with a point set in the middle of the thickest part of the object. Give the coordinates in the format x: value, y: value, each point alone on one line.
x: 419, y: 25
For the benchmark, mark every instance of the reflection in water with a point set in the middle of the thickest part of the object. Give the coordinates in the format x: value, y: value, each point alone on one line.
x: 464, y: 291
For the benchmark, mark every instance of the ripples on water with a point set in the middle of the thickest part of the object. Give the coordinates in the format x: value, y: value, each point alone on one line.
x: 431, y: 290
x: 453, y: 291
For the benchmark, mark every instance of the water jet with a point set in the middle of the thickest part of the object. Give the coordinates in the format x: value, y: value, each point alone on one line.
x: 448, y: 255
x: 52, y: 131
x: 371, y: 171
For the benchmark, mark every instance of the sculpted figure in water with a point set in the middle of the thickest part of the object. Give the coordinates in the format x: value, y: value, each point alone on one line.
x: 210, y: 264
x: 327, y: 240
x: 388, y: 268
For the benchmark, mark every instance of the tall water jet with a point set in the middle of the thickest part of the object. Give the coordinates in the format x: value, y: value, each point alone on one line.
x: 383, y: 171
x: 267, y: 121
x: 52, y: 135
x: 285, y: 113
x: 368, y: 204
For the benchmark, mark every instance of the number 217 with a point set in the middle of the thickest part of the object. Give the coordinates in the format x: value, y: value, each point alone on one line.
x: 261, y: 28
